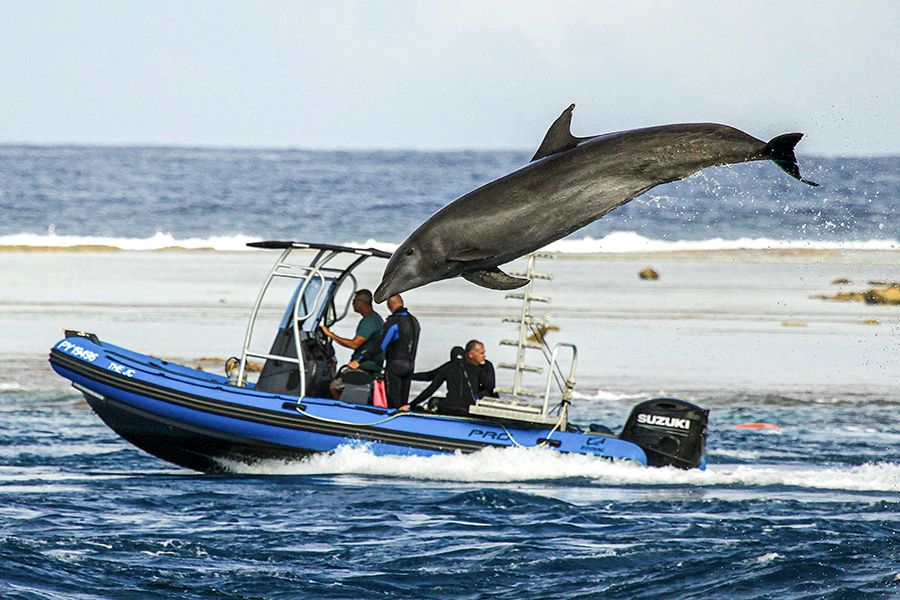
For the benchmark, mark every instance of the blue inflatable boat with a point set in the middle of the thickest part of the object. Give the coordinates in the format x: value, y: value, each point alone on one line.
x: 202, y: 421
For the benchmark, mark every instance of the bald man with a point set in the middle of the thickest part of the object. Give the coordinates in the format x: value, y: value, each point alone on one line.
x: 399, y: 342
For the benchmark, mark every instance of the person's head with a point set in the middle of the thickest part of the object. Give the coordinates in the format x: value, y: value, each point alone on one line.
x: 394, y: 303
x: 475, y: 352
x: 362, y: 302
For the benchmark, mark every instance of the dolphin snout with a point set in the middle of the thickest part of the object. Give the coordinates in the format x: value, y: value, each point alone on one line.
x: 390, y: 284
x: 397, y: 279
x: 383, y: 291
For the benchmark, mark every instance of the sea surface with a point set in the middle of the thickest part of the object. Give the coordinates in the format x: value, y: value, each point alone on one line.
x: 805, y: 508
x: 808, y: 510
x: 144, y: 198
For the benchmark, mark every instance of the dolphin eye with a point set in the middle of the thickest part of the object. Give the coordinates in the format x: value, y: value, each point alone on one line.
x: 410, y: 251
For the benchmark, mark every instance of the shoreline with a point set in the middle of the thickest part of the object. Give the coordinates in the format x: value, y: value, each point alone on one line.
x: 691, y: 253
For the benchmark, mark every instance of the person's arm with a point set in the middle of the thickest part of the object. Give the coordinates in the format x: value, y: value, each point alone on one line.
x: 387, y: 337
x: 353, y: 344
x: 487, y: 379
x: 390, y: 336
x: 425, y: 375
x: 440, y: 376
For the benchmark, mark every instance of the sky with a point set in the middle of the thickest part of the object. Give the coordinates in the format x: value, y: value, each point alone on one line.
x: 445, y: 75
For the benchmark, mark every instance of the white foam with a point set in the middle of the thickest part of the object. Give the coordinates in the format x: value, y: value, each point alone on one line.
x: 618, y: 242
x: 10, y: 386
x: 767, y: 558
x: 157, y: 241
x: 608, y: 396
x: 537, y: 464
x: 740, y: 454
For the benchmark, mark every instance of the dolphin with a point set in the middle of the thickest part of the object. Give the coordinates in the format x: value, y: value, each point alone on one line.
x: 569, y: 183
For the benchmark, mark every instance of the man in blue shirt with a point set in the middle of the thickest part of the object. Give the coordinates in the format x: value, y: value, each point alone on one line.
x: 364, y: 342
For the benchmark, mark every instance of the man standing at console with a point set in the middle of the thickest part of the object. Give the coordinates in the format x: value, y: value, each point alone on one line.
x: 399, y: 342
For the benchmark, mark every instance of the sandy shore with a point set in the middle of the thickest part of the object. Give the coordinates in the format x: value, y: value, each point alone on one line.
x: 736, y: 320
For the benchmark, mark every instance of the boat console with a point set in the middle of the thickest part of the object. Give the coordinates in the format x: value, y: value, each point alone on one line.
x: 314, y: 301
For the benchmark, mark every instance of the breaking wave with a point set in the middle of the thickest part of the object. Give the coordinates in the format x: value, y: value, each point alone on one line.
x: 618, y: 242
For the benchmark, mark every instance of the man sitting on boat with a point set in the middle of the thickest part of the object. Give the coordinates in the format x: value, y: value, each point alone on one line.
x: 365, y: 341
x: 468, y: 375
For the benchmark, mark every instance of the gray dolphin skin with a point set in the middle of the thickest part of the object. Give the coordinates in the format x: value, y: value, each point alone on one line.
x: 569, y: 183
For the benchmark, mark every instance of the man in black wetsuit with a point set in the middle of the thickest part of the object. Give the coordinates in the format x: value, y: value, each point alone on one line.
x: 399, y: 342
x: 468, y: 375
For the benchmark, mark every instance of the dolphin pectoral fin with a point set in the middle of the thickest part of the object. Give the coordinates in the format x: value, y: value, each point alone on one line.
x: 470, y: 255
x: 559, y: 137
x: 780, y: 150
x: 494, y: 279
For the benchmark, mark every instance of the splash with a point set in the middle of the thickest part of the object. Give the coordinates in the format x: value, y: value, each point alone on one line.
x: 496, y: 465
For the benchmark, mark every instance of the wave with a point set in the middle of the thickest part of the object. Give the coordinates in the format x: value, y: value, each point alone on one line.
x: 537, y: 464
x: 158, y: 241
x: 618, y: 242
x: 622, y: 242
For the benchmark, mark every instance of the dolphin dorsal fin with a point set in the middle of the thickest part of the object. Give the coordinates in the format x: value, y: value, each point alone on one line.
x: 559, y: 137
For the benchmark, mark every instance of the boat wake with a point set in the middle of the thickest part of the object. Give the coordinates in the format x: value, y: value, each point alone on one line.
x: 503, y: 465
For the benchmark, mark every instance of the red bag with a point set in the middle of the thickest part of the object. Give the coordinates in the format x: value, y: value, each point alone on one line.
x: 379, y: 396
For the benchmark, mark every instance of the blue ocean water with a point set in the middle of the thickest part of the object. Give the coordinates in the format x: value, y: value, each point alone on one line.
x: 357, y: 196
x: 807, y: 510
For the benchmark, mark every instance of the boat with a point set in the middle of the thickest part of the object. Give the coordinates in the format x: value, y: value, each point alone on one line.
x: 205, y: 421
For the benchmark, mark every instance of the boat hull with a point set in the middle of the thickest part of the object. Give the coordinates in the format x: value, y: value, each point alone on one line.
x: 196, y: 420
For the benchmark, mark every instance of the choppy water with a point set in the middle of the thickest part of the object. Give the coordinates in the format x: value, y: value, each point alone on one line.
x: 807, y: 510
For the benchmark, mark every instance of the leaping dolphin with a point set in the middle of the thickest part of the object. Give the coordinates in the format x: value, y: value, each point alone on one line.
x: 569, y: 183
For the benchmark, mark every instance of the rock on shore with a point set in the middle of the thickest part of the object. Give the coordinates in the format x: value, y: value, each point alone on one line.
x: 885, y: 295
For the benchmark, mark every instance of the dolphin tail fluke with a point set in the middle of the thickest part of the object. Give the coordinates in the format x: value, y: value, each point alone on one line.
x: 494, y: 279
x: 780, y: 150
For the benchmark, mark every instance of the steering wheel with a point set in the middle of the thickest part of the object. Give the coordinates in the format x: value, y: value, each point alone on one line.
x: 323, y: 341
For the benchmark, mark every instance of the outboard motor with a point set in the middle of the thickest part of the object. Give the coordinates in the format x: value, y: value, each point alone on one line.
x: 670, y: 431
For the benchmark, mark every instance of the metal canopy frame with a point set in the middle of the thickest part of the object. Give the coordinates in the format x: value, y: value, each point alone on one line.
x: 304, y: 273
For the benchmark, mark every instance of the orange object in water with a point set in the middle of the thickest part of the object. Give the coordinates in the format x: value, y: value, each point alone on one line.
x: 756, y: 426
x: 379, y: 397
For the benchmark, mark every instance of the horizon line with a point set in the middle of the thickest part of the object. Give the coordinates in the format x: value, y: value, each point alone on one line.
x: 346, y: 149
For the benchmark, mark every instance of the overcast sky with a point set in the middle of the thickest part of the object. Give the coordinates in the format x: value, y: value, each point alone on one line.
x: 435, y: 75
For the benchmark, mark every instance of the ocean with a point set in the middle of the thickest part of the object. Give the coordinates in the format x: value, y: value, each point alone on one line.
x: 145, y: 198
x: 808, y: 508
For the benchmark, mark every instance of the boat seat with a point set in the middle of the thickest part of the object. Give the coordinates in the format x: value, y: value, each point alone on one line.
x: 357, y: 386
